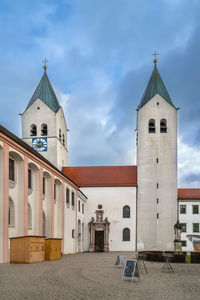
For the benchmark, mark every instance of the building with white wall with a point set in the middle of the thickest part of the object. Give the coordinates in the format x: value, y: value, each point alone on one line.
x: 156, y: 166
x: 109, y: 208
x: 112, y: 190
x: 189, y: 215
x: 36, y: 198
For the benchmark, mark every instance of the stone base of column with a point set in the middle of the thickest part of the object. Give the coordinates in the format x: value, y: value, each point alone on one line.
x: 92, y: 248
x: 106, y: 248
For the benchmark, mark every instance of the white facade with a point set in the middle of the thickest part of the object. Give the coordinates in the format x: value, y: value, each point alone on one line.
x: 189, y: 217
x: 112, y: 199
x: 157, y: 176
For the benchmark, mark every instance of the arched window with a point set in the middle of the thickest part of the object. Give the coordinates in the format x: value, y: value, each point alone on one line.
x: 79, y: 228
x: 126, y: 211
x: 163, y: 125
x: 82, y: 232
x: 73, y: 203
x: 33, y: 130
x: 11, y: 169
x: 29, y: 217
x: 152, y: 128
x: 63, y: 140
x: 60, y: 135
x: 44, y: 129
x: 44, y: 223
x: 55, y: 193
x: 126, y: 234
x: 11, y: 213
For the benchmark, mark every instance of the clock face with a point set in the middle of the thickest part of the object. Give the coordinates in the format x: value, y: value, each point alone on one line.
x: 39, y: 144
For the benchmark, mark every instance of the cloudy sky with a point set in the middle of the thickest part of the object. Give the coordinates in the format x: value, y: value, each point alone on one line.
x: 99, y: 62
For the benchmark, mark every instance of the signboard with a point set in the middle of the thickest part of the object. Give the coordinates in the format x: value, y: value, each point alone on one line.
x: 120, y: 261
x: 131, y: 269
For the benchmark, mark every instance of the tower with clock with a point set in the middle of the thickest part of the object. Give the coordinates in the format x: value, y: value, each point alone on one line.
x: 43, y: 124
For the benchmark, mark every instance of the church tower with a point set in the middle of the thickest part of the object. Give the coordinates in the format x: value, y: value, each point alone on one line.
x: 43, y: 124
x: 156, y: 167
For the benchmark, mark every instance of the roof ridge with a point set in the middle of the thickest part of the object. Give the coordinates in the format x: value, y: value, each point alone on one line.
x: 99, y: 166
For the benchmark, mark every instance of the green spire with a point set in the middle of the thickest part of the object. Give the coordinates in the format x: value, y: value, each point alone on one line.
x: 155, y: 86
x: 45, y: 93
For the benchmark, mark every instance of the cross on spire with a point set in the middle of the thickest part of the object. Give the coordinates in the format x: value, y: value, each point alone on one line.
x: 155, y: 54
x: 45, y: 63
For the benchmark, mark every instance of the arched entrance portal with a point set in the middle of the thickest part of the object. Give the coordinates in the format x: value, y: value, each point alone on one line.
x: 99, y: 233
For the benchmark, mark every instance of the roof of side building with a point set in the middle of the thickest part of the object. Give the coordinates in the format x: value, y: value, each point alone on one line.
x: 188, y: 193
x: 96, y: 176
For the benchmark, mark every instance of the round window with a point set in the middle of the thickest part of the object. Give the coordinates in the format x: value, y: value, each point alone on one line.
x: 99, y: 206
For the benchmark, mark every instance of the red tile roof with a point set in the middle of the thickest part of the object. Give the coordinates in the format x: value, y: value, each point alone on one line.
x: 102, y: 176
x: 188, y: 193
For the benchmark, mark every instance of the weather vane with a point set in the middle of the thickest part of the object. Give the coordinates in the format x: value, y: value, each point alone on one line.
x: 45, y: 64
x: 155, y: 54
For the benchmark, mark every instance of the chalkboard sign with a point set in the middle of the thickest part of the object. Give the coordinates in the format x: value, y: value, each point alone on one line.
x: 131, y: 269
x: 120, y: 261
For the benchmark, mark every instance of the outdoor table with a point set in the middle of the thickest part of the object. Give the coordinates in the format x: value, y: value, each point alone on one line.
x: 167, y: 264
x: 141, y: 258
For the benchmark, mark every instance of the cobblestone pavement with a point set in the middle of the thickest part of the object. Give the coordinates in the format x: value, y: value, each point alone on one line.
x: 93, y: 276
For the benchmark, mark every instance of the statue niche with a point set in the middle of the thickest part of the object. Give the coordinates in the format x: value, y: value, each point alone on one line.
x: 99, y: 233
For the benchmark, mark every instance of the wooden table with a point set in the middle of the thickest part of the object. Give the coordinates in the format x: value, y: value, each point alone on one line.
x: 27, y: 249
x: 52, y: 248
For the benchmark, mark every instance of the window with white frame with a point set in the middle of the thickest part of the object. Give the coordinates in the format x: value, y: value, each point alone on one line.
x: 152, y: 128
x: 11, y: 169
x: 184, y: 243
x: 183, y: 227
x: 163, y: 126
x: 195, y: 227
x: 29, y: 217
x: 33, y: 130
x: 126, y: 235
x: 60, y: 135
x: 44, y: 186
x: 182, y: 209
x: 195, y: 209
x: 44, y: 130
x: 79, y: 205
x: 55, y: 193
x: 11, y: 213
x: 126, y: 211
x: 67, y: 197
x: 29, y: 179
x: 73, y: 202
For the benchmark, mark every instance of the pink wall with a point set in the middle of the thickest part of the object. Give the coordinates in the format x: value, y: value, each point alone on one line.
x: 76, y: 225
x: 41, y: 203
x: 25, y: 195
x: 5, y: 200
x: 63, y: 215
x: 52, y: 206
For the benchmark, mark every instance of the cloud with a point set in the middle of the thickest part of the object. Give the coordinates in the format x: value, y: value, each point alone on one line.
x: 188, y: 165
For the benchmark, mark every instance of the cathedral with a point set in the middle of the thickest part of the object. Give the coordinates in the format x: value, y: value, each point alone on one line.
x: 97, y: 208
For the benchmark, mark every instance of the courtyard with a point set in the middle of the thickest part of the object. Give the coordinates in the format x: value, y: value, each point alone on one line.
x: 93, y: 276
